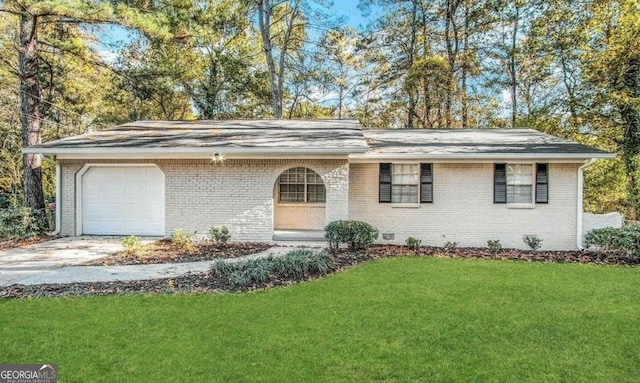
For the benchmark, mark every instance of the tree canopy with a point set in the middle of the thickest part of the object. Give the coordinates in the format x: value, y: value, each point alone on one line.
x: 568, y: 68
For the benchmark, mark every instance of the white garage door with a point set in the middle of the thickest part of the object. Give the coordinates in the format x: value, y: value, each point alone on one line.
x: 123, y: 200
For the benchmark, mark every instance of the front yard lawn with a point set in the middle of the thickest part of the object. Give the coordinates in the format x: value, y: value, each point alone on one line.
x: 397, y: 319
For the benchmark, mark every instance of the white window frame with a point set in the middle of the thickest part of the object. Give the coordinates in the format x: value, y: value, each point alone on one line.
x: 306, y: 195
x: 415, y: 203
x: 522, y: 205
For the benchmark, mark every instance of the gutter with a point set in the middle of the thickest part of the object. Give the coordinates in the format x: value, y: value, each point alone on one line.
x: 580, y: 208
x: 57, y: 229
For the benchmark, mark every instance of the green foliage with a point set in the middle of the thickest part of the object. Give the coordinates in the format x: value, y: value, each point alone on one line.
x: 413, y: 243
x: 494, y: 245
x: 182, y: 238
x: 625, y: 239
x: 220, y: 234
x: 18, y: 222
x: 533, y: 241
x: 131, y: 242
x: 357, y: 234
x: 296, y: 264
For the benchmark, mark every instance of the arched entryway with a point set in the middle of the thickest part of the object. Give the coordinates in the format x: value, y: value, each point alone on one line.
x: 299, y: 200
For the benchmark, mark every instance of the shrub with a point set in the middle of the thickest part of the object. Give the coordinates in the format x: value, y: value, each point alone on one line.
x: 220, y: 234
x: 296, y: 264
x: 21, y: 222
x: 494, y: 245
x: 413, y: 243
x: 182, y: 238
x: 356, y: 234
x: 131, y: 243
x: 451, y: 247
x: 533, y: 241
x: 625, y: 239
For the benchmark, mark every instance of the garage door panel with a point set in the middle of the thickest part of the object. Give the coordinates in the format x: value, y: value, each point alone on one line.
x: 123, y: 200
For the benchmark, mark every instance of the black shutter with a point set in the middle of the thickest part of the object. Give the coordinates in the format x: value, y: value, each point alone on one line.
x: 500, y: 183
x: 542, y: 183
x: 385, y: 183
x: 426, y: 183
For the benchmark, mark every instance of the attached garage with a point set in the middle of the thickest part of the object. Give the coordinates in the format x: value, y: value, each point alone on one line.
x: 121, y: 200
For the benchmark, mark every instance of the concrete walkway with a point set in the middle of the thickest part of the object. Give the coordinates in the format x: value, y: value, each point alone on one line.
x: 56, y: 262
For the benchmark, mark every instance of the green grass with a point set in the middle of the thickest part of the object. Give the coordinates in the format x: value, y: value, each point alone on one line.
x: 395, y: 320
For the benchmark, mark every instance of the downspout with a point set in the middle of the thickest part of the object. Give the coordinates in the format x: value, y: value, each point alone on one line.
x: 580, y: 201
x: 57, y: 229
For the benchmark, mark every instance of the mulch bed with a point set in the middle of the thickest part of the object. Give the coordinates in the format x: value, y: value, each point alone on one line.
x: 206, y: 282
x: 13, y: 243
x: 165, y: 251
x: 582, y: 256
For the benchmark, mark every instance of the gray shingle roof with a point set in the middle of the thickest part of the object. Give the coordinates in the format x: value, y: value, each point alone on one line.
x: 232, y: 135
x: 316, y: 137
x: 469, y: 142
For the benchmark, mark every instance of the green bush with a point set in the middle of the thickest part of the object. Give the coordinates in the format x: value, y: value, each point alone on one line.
x: 413, y: 243
x: 21, y: 222
x: 296, y: 264
x: 220, y: 234
x: 494, y: 245
x: 624, y: 239
x: 356, y: 234
x: 533, y: 241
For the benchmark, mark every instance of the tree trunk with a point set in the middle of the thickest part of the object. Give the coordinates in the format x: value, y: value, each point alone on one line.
x: 465, y: 61
x: 264, y: 21
x: 30, y: 96
x: 411, y: 112
x: 631, y: 147
x: 513, y: 68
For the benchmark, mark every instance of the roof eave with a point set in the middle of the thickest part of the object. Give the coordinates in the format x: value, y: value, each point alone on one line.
x: 377, y: 157
x: 203, y: 150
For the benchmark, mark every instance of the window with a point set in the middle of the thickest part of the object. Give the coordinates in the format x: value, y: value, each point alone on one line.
x: 514, y: 183
x: 519, y: 183
x: 300, y: 185
x: 406, y: 183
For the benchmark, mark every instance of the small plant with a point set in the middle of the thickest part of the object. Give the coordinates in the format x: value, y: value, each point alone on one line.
x: 451, y: 247
x: 220, y: 234
x: 357, y: 234
x: 131, y: 243
x: 413, y: 243
x: 182, y: 238
x: 494, y: 245
x: 533, y: 241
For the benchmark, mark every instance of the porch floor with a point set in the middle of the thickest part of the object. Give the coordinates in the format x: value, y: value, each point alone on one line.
x: 298, y: 235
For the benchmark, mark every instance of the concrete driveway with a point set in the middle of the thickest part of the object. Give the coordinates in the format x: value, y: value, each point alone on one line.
x: 30, y: 261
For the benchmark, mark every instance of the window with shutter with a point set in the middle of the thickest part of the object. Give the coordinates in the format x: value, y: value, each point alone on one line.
x: 426, y: 183
x: 500, y: 183
x: 384, y: 191
x: 542, y: 183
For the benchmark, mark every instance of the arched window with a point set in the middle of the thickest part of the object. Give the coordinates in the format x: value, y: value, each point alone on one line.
x: 300, y: 185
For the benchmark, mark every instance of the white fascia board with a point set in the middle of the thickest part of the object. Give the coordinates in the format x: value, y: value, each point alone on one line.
x: 199, y: 152
x: 476, y: 157
x: 209, y: 155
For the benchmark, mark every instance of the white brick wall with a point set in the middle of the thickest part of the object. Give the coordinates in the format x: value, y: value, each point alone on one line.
x: 236, y: 193
x: 463, y: 210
